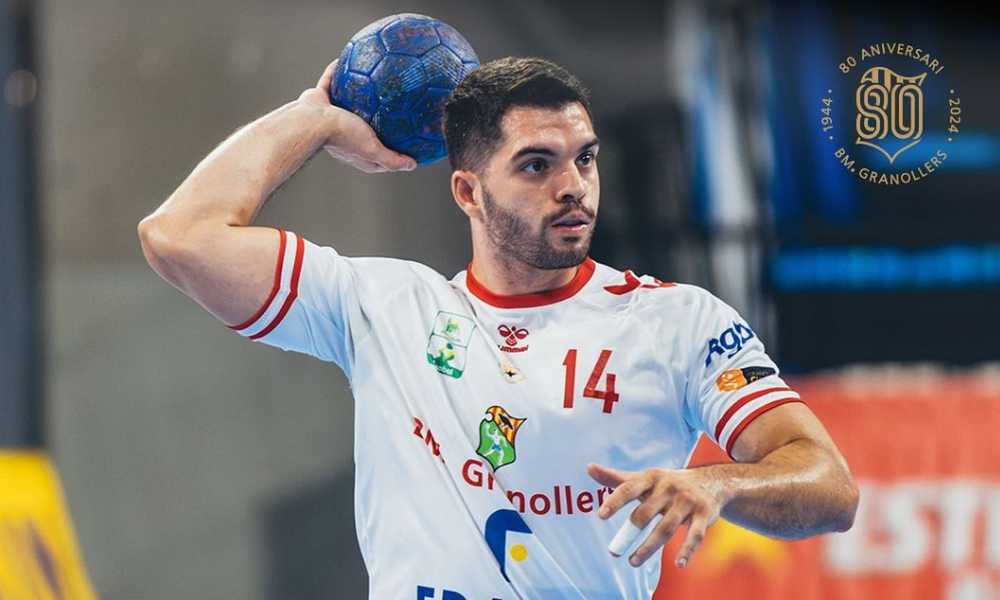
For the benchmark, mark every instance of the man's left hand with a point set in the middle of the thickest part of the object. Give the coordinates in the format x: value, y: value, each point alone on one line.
x: 692, y: 497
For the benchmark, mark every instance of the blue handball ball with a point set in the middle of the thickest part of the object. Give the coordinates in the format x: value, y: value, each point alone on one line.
x: 396, y: 74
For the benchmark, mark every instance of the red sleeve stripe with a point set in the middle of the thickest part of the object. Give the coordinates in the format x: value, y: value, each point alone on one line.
x: 761, y: 410
x: 274, y: 288
x: 721, y: 426
x: 300, y: 250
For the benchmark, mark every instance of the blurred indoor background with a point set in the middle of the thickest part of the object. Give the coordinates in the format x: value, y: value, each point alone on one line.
x: 196, y: 464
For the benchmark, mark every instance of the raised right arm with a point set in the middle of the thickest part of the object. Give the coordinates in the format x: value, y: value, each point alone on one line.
x: 201, y: 240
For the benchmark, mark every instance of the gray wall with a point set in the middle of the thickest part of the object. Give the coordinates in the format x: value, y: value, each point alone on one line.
x: 192, y: 458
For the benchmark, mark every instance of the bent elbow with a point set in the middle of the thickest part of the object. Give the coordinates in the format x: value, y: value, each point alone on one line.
x: 147, y: 234
x: 161, y: 250
x: 849, y: 506
x: 152, y: 239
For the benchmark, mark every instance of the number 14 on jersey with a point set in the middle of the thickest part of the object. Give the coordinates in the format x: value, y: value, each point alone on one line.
x: 608, y: 394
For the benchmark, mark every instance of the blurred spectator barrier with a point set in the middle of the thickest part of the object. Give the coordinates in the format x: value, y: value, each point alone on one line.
x: 923, y: 446
x: 39, y: 559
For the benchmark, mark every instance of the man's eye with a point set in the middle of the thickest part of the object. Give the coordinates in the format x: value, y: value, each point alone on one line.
x: 534, y: 166
x: 586, y: 159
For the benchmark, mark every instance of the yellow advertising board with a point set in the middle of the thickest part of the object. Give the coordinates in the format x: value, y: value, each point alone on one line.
x: 39, y: 559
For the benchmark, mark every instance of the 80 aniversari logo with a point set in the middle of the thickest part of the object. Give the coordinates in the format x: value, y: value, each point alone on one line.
x: 882, y: 107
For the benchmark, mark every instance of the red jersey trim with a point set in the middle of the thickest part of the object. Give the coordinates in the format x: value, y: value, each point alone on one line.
x: 583, y: 274
x: 632, y: 283
x: 741, y: 403
x: 300, y: 250
x: 763, y: 409
x: 274, y: 288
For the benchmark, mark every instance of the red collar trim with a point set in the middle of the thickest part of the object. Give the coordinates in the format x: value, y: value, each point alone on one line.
x: 583, y: 274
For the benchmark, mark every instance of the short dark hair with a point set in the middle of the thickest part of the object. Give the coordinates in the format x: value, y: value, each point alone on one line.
x: 475, y: 110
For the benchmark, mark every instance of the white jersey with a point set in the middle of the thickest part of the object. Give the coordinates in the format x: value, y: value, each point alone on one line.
x: 477, y: 414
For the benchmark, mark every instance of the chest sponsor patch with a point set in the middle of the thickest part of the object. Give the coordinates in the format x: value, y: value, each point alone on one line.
x: 734, y: 379
x: 448, y: 343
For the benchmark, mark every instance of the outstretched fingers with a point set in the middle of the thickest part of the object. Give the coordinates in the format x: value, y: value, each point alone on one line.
x: 368, y: 167
x: 326, y: 79
x: 606, y: 475
x: 681, y: 497
x: 695, y: 536
x: 627, y: 491
x: 390, y: 160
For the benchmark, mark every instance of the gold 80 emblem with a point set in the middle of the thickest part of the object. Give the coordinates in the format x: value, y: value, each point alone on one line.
x: 886, y: 101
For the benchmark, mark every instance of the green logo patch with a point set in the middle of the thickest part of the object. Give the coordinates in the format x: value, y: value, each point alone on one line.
x: 449, y: 342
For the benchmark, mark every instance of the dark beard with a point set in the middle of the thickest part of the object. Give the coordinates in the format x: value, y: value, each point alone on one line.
x: 514, y: 236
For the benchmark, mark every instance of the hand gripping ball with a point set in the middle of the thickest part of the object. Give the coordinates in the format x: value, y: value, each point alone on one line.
x: 396, y: 74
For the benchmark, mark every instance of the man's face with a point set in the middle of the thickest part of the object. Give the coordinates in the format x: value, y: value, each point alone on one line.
x: 541, y: 187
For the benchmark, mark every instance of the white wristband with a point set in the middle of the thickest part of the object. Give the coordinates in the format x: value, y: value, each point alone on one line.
x: 624, y: 538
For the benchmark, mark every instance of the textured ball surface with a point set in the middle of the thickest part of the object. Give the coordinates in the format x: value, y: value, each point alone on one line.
x: 396, y: 74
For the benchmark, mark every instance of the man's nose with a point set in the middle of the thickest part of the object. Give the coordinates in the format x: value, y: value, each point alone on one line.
x: 572, y: 185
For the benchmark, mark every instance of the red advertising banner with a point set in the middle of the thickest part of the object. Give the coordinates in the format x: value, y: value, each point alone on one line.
x: 925, y: 449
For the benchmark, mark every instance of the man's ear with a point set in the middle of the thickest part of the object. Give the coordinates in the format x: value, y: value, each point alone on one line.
x: 465, y: 187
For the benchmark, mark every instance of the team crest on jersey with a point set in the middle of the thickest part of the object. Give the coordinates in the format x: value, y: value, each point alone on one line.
x: 496, y: 437
x: 449, y: 343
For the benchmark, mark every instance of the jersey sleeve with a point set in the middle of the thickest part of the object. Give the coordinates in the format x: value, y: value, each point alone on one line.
x: 732, y: 380
x: 316, y: 305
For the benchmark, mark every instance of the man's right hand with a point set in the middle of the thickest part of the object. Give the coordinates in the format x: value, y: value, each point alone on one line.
x: 351, y: 140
